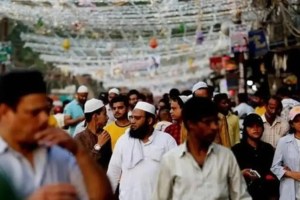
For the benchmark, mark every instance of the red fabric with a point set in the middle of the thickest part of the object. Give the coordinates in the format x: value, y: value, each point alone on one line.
x: 174, y: 131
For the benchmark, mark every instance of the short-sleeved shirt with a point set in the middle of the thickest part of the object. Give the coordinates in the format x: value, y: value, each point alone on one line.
x: 74, y: 110
x: 51, y: 166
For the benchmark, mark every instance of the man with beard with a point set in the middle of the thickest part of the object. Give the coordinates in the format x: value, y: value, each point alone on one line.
x: 73, y: 112
x: 42, y: 162
x: 94, y: 138
x: 199, y: 168
x: 136, y: 158
x: 120, y: 111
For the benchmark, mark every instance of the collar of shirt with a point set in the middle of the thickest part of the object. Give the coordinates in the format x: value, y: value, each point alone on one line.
x: 183, y: 149
x: 277, y: 120
x: 3, y: 146
x: 150, y: 139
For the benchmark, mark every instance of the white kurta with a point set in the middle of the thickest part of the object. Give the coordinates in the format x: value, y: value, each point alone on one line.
x: 136, y: 164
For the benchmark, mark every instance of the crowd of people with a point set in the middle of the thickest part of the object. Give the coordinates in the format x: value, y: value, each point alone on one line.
x: 191, y: 144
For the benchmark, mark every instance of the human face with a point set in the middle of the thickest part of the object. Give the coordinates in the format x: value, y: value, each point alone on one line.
x: 139, y: 124
x: 133, y: 99
x: 296, y: 123
x: 82, y: 97
x: 101, y: 120
x: 205, y: 130
x: 111, y: 96
x: 201, y: 93
x: 31, y: 116
x: 272, y: 108
x: 223, y: 105
x: 254, y: 131
x: 175, y: 110
x: 119, y: 110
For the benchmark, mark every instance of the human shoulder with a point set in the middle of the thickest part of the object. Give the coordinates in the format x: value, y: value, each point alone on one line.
x: 60, y: 155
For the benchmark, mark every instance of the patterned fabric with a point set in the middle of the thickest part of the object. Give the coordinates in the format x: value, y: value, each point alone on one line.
x: 174, y: 131
x: 272, y: 133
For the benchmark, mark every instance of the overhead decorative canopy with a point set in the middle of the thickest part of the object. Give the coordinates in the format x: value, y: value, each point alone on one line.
x: 130, y: 42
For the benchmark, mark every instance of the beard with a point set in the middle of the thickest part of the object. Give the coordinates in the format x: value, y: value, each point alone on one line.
x: 139, y: 133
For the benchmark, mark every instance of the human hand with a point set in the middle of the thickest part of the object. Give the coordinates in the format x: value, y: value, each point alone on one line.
x: 60, y: 191
x: 57, y: 136
x: 249, y: 173
x: 103, y: 138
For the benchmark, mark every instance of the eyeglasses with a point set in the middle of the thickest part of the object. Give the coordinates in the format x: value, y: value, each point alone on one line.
x: 136, y: 117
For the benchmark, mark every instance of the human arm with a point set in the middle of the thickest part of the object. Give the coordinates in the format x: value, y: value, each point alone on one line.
x: 277, y: 167
x: 164, y: 185
x: 71, y: 122
x: 237, y: 185
x: 95, y: 180
x: 114, y: 170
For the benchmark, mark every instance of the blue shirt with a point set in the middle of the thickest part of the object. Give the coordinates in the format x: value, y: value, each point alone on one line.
x: 74, y: 110
x: 286, y: 154
x: 51, y: 166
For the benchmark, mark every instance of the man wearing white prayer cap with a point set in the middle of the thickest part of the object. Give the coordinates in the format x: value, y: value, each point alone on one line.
x: 137, y: 154
x: 200, y: 89
x: 112, y: 93
x: 94, y: 138
x: 73, y: 112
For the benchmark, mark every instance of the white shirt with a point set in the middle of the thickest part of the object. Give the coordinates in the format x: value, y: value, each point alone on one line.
x: 181, y: 178
x: 137, y: 182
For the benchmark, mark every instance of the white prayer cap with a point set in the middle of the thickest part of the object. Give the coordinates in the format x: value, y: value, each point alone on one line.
x: 199, y: 85
x: 92, y: 105
x: 82, y: 89
x: 184, y: 98
x: 147, y: 107
x: 114, y: 90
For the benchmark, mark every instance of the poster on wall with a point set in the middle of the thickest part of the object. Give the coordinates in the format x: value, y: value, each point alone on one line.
x: 258, y: 45
x: 239, y: 38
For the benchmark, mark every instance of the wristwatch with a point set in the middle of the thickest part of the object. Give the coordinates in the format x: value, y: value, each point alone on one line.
x: 97, y: 147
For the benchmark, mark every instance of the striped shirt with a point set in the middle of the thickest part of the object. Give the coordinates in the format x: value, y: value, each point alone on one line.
x: 272, y: 133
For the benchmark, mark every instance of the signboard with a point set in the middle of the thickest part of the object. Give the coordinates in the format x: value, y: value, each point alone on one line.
x: 239, y: 38
x: 258, y: 45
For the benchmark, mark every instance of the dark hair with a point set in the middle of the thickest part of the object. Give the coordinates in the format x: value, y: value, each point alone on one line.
x: 133, y: 91
x: 242, y: 97
x: 166, y: 102
x: 219, y: 97
x: 120, y: 98
x: 88, y: 116
x: 186, y: 92
x: 178, y: 100
x: 18, y: 83
x: 174, y: 92
x: 197, y: 108
x: 103, y: 96
x: 142, y: 97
